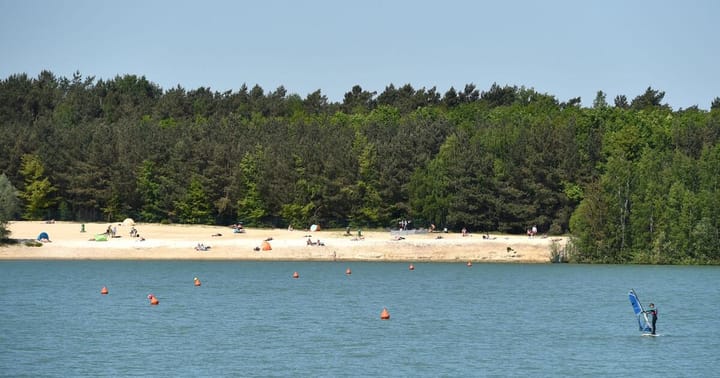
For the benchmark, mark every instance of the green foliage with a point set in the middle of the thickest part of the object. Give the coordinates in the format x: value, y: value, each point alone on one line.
x: 651, y: 98
x: 9, y: 204
x: 194, y: 208
x: 365, y: 191
x: 572, y: 191
x: 655, y: 201
x: 9, y: 201
x: 558, y: 253
x: 38, y: 189
x: 429, y: 193
x: 296, y: 214
x: 150, y: 193
x: 251, y: 208
x: 635, y: 182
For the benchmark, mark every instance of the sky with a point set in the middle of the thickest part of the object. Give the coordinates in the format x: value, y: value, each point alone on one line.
x: 565, y: 48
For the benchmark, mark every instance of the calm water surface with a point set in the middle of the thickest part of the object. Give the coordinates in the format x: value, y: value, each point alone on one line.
x: 254, y: 319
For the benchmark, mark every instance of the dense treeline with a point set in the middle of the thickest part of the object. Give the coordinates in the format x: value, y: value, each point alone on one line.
x: 633, y: 181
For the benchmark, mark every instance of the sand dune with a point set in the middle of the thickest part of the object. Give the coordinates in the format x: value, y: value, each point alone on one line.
x: 177, y: 242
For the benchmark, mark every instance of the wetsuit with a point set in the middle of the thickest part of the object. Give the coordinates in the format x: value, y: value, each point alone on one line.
x: 653, y: 317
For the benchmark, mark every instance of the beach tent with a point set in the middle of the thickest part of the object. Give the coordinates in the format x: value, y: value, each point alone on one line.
x: 43, y: 236
x: 128, y: 222
x: 266, y: 246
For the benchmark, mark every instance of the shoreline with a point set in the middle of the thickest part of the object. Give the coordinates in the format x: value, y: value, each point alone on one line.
x: 178, y: 242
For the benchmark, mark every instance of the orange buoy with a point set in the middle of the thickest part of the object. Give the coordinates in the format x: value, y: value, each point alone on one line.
x: 153, y: 300
x: 296, y: 275
x: 411, y: 267
x: 104, y: 290
x: 469, y: 264
x: 384, y: 314
x: 348, y: 271
x: 197, y: 282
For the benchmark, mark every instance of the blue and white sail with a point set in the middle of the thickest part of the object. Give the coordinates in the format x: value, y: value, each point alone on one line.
x: 642, y: 318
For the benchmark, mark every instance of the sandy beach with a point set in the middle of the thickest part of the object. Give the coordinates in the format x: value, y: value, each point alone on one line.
x: 178, y: 242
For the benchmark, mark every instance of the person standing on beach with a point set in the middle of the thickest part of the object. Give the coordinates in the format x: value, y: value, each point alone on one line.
x: 653, y: 312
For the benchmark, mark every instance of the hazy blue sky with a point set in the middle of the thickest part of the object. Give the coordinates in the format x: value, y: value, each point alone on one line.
x: 566, y: 48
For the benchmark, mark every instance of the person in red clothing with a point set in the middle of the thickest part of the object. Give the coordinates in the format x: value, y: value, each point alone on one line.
x: 653, y: 312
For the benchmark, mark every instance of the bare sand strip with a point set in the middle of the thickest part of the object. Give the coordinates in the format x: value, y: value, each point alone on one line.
x: 178, y: 242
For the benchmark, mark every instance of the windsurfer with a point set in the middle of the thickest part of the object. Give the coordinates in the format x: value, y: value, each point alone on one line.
x: 653, y: 316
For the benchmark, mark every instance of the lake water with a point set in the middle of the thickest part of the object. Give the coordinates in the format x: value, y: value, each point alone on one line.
x: 254, y: 319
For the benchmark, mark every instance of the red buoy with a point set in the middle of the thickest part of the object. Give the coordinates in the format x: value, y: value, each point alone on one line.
x: 384, y: 314
x: 104, y: 290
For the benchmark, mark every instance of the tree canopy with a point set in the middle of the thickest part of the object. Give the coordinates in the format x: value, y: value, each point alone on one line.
x: 631, y: 182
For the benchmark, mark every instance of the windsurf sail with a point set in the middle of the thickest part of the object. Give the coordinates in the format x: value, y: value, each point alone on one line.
x: 643, y: 322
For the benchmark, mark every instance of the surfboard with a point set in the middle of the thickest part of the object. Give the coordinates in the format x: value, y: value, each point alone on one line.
x: 650, y: 334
